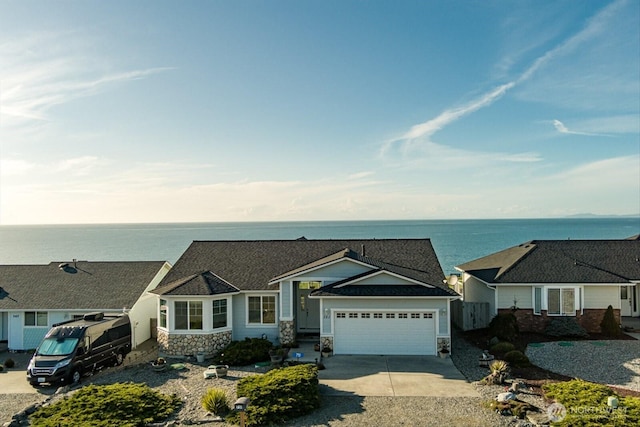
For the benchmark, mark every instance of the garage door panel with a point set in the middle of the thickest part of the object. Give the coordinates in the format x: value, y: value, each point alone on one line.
x: 397, y: 333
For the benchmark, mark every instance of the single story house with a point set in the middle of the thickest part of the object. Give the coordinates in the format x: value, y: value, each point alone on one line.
x: 357, y: 296
x: 35, y: 297
x: 543, y: 279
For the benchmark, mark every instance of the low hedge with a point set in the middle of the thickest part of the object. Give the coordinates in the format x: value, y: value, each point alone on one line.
x: 246, y: 352
x: 502, y: 347
x: 120, y: 404
x: 586, y: 405
x: 279, y: 395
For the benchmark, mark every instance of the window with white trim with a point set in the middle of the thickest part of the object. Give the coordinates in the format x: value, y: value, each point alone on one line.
x: 187, y: 315
x: 262, y: 309
x: 36, y: 318
x: 402, y: 315
x: 561, y: 301
x: 377, y: 315
x: 163, y: 314
x: 341, y: 315
x: 219, y: 313
x: 537, y: 300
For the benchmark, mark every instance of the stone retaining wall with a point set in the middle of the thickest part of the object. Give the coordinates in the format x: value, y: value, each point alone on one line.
x: 192, y: 344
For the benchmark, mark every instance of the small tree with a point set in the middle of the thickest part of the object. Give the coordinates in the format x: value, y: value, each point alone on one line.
x: 609, y: 325
x: 504, y: 326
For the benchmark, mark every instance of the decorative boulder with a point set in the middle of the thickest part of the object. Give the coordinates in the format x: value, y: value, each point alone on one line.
x: 506, y: 396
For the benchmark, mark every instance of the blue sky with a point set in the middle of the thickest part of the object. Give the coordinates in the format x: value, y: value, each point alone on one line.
x: 166, y: 111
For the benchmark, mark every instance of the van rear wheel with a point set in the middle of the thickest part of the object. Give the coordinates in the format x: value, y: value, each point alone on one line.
x: 119, y: 358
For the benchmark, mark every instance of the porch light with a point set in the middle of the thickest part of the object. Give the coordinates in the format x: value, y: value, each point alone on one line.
x: 443, y: 312
x: 326, y: 313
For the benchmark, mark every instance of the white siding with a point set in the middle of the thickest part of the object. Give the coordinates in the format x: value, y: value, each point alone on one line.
x: 601, y: 296
x: 521, y: 294
x: 383, y: 279
x: 476, y: 291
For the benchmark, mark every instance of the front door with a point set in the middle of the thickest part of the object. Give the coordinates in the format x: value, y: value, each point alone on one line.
x: 627, y: 294
x: 308, y: 313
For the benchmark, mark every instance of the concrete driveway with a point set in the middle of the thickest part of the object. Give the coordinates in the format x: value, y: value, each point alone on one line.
x: 393, y: 376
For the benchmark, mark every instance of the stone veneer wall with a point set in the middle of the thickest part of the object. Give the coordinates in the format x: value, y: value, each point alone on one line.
x: 590, y: 319
x: 287, y: 329
x: 191, y: 344
x: 326, y: 342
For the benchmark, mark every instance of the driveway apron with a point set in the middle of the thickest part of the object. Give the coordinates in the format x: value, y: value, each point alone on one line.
x: 393, y: 376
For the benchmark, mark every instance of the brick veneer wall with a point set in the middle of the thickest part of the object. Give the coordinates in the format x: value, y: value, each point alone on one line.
x: 589, y: 319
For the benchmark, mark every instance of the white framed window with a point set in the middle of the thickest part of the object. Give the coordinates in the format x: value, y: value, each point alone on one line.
x: 561, y: 301
x: 187, y: 315
x: 262, y: 309
x: 537, y: 300
x: 365, y: 315
x: 219, y: 313
x: 391, y: 315
x: 402, y: 315
x: 162, y: 321
x: 377, y: 315
x: 36, y: 318
x: 341, y: 315
x: 428, y: 315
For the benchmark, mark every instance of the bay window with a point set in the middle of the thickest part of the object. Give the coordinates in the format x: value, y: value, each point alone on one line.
x: 163, y: 313
x: 187, y: 315
x: 219, y: 313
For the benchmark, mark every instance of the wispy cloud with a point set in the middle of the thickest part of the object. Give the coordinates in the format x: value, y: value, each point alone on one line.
x: 421, y: 133
x: 38, y: 74
x: 560, y: 127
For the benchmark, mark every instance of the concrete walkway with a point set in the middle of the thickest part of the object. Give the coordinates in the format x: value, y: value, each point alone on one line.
x: 393, y: 376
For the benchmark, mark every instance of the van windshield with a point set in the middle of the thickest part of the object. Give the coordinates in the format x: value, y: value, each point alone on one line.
x: 57, y: 346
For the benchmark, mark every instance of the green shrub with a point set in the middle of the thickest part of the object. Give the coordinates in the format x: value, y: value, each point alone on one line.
x: 586, y: 405
x: 9, y: 363
x: 280, y: 394
x: 242, y: 353
x: 517, y: 358
x: 502, y: 347
x: 609, y: 326
x: 215, y: 401
x: 1, y: 368
x: 121, y: 404
x: 565, y: 327
x: 504, y: 326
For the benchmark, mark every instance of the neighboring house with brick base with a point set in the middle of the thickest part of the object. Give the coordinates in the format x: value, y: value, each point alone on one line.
x: 542, y: 279
x: 35, y: 297
x: 357, y: 296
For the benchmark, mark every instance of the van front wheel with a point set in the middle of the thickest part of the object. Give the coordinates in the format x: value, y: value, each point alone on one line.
x: 75, y: 376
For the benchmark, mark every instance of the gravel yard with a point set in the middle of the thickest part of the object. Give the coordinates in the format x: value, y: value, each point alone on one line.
x: 612, y: 362
x: 190, y: 385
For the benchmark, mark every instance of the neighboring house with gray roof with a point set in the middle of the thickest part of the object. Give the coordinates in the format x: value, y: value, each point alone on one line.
x: 543, y: 279
x: 34, y: 297
x: 357, y: 296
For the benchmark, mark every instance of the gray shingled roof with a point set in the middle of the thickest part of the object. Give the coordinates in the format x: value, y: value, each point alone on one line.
x: 205, y: 283
x: 561, y: 261
x: 252, y: 264
x: 350, y: 288
x: 85, y: 286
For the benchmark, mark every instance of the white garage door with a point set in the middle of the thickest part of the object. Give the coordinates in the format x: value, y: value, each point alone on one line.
x: 376, y: 332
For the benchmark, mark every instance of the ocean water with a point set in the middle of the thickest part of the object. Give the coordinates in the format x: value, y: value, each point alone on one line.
x: 455, y: 241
